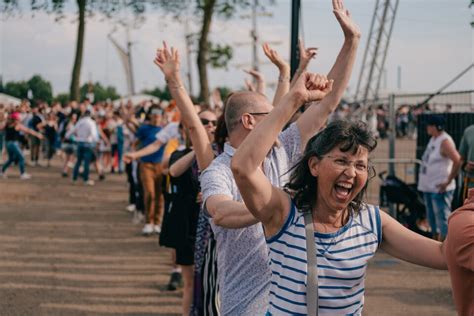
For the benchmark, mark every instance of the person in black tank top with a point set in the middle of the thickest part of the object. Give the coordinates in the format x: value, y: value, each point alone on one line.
x: 12, y: 138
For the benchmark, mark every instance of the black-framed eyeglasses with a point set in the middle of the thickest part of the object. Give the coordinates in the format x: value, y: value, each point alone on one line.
x: 206, y: 122
x: 259, y: 113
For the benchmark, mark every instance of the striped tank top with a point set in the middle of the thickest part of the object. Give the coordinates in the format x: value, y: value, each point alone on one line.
x: 342, y: 263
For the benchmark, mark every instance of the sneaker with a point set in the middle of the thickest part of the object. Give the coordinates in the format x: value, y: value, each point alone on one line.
x: 176, y: 281
x: 64, y: 175
x: 157, y: 229
x: 25, y: 176
x: 147, y: 229
x: 131, y: 208
x: 90, y: 183
x: 138, y: 217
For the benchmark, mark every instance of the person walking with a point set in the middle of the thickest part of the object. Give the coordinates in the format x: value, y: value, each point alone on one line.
x: 436, y: 176
x: 86, y: 135
x: 12, y: 138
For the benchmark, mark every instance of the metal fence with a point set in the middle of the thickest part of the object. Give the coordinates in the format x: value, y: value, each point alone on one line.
x: 399, y: 153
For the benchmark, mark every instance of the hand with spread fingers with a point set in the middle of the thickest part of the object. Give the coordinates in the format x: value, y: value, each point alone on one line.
x: 275, y: 58
x: 260, y: 80
x: 306, y: 54
x: 343, y: 16
x: 168, y: 61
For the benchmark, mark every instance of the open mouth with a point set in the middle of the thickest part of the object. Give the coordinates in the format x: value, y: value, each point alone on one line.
x: 343, y: 190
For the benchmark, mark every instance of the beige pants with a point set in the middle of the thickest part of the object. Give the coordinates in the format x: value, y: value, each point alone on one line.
x: 150, y: 174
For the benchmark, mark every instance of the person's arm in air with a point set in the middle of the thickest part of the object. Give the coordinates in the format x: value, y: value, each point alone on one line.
x: 182, y: 164
x: 283, y: 85
x: 311, y: 121
x: 267, y: 203
x: 260, y: 80
x: 29, y: 131
x: 404, y: 244
x: 169, y: 62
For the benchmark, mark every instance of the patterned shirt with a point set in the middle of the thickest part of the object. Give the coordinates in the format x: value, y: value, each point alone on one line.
x: 242, y: 255
x: 342, y: 259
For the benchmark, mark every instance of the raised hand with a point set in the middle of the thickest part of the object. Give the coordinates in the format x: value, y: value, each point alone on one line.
x: 343, y: 16
x: 306, y: 54
x: 260, y: 80
x: 257, y: 75
x: 275, y: 58
x: 311, y: 87
x: 168, y: 61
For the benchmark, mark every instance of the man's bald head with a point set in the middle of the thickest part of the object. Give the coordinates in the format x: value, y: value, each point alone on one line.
x: 242, y: 102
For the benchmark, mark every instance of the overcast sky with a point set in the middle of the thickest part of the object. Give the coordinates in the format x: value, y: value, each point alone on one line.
x: 432, y: 41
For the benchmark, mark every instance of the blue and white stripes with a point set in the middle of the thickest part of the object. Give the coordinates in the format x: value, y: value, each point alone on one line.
x: 342, y: 262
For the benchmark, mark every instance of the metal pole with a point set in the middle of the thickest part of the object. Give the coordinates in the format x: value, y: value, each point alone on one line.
x: 392, y: 135
x: 188, y: 58
x: 254, y: 35
x: 295, y: 23
x: 129, y: 55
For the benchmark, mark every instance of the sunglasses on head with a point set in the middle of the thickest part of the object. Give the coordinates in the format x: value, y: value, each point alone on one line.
x: 206, y: 122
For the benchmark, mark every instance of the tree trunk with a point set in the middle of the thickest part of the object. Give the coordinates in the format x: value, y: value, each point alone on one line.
x: 203, y: 49
x: 76, y: 71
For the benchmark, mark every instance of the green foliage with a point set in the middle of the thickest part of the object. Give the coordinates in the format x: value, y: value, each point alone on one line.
x: 100, y: 93
x: 40, y: 88
x: 62, y: 98
x: 162, y: 94
x: 224, y: 91
x: 219, y: 55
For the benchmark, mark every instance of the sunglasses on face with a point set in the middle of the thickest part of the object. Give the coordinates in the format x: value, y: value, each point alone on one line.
x: 206, y: 122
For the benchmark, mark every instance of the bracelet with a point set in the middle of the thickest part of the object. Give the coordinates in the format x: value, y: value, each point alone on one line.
x: 283, y: 79
x: 173, y: 85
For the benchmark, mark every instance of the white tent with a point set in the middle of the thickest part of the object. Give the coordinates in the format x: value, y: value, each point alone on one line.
x: 136, y: 99
x: 9, y: 100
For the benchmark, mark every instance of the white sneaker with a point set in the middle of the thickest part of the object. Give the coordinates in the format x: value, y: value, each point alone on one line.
x: 138, y: 217
x: 157, y: 229
x: 3, y: 175
x: 90, y: 182
x: 147, y: 229
x: 131, y: 208
x: 25, y: 176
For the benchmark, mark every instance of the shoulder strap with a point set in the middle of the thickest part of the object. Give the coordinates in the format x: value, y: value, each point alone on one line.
x: 312, y: 266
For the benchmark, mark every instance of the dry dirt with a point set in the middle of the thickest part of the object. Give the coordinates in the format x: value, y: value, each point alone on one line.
x: 72, y: 250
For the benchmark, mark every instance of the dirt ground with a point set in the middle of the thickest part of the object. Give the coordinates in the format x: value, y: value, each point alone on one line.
x: 72, y: 250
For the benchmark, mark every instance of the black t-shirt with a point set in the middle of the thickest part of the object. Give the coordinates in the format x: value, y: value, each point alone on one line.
x: 35, y: 120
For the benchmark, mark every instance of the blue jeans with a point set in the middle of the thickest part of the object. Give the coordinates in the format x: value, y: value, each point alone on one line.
x: 84, y: 153
x: 14, y: 155
x: 438, y: 208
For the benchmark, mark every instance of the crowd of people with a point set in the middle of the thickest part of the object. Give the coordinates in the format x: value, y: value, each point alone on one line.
x: 262, y: 203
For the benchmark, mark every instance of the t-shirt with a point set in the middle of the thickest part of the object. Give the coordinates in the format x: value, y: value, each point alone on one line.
x: 35, y: 120
x: 242, y: 254
x: 466, y: 148
x: 459, y: 254
x: 146, y: 135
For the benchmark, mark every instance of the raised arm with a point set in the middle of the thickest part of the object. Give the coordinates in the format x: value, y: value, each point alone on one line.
x: 404, y: 244
x: 316, y: 115
x: 259, y: 78
x: 283, y: 85
x: 178, y: 167
x: 306, y: 54
x: 267, y: 203
x: 168, y: 61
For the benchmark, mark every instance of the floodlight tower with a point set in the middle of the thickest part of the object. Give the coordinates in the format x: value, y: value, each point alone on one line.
x: 376, y: 51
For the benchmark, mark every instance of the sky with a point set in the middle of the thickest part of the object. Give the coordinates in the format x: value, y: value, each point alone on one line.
x: 432, y: 41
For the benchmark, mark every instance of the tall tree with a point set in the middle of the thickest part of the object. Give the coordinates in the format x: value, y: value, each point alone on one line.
x: 86, y: 8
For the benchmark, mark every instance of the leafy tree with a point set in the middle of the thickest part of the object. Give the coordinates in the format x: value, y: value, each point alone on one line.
x: 216, y: 55
x: 163, y: 94
x: 86, y: 8
x: 100, y: 93
x: 40, y: 88
x: 62, y: 98
x: 18, y: 89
